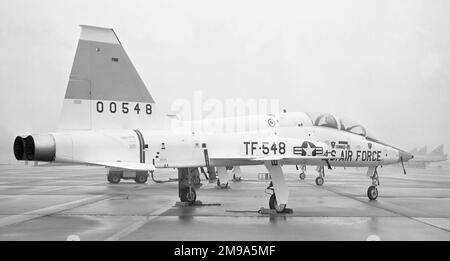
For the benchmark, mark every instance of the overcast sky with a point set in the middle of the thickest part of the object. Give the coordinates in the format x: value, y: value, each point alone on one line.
x: 383, y: 63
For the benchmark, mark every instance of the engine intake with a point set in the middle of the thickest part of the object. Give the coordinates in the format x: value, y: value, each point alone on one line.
x: 35, y: 148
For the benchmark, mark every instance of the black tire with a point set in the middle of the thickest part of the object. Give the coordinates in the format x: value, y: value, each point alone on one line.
x: 302, y: 176
x: 319, y: 181
x: 273, y: 204
x: 188, y: 195
x: 273, y: 201
x: 372, y: 193
x: 141, y: 178
x: 114, y: 178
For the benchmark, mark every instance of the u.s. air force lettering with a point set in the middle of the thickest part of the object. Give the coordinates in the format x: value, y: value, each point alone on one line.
x: 357, y: 155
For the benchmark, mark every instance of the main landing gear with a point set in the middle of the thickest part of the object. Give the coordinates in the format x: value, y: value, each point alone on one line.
x: 280, y: 192
x: 372, y: 191
x: 187, y: 183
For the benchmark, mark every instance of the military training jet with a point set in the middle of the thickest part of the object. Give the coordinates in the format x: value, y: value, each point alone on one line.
x: 110, y: 119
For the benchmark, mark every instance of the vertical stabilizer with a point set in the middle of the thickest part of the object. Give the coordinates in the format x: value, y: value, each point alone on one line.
x: 104, y: 90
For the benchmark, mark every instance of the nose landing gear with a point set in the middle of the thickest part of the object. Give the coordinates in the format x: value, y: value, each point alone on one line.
x: 372, y: 191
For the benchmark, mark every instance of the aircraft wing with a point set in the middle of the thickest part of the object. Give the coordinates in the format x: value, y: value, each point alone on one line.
x: 269, y: 158
x: 125, y: 165
x: 272, y: 158
x: 233, y: 157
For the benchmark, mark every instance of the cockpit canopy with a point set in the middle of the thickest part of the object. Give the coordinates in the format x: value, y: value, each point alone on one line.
x: 331, y: 121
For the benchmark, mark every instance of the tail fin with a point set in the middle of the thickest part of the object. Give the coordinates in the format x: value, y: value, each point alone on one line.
x: 104, y: 90
x: 422, y: 151
x: 438, y: 151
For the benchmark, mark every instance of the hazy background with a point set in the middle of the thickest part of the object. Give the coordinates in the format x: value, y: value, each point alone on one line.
x: 383, y: 63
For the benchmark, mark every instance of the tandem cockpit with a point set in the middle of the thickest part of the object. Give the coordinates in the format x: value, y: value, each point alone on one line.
x: 327, y: 120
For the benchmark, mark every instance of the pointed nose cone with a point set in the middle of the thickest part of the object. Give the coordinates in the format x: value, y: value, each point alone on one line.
x: 405, y: 155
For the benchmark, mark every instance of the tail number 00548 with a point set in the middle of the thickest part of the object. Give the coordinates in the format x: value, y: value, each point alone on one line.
x: 124, y: 108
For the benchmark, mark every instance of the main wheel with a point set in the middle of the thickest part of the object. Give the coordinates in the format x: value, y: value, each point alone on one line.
x: 302, y: 176
x: 273, y: 204
x: 319, y: 181
x: 141, y: 178
x: 113, y: 178
x: 188, y: 195
x: 372, y: 192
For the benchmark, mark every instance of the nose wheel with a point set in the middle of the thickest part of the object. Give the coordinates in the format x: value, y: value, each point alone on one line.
x: 372, y: 192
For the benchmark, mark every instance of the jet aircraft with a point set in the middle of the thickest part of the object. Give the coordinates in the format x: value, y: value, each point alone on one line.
x: 110, y: 119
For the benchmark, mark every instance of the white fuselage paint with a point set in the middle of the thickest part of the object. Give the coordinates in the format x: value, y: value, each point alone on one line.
x: 166, y: 149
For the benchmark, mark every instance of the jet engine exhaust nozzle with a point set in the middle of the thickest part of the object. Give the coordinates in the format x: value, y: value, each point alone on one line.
x: 35, y: 148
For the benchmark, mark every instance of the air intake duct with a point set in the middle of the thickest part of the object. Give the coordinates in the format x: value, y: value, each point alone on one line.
x: 35, y: 148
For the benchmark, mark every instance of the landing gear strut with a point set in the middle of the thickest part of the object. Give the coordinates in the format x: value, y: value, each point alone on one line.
x: 372, y: 191
x: 280, y: 191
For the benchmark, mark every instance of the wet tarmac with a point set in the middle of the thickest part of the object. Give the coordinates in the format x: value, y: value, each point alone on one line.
x: 57, y: 203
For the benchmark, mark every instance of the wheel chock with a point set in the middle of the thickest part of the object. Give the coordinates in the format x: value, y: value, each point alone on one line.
x: 268, y: 211
x: 188, y: 204
x: 197, y: 203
